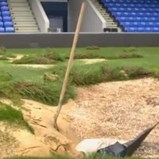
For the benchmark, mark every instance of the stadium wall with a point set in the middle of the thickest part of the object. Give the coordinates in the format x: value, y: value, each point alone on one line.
x: 41, y: 17
x: 86, y: 39
x: 92, y: 22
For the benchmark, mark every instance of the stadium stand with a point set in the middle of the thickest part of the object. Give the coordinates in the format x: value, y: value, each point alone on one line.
x: 6, y: 24
x: 135, y: 15
x: 22, y: 16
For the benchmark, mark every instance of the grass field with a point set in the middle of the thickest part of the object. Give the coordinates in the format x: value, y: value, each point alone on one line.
x: 117, y: 57
x: 66, y: 157
x: 18, y: 82
x: 37, y: 84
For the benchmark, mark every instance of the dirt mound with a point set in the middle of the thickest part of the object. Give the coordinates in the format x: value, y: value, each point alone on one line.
x: 116, y: 110
x: 46, y: 139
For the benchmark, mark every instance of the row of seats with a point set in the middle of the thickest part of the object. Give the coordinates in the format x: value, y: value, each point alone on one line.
x: 135, y: 15
x: 137, y: 19
x: 141, y: 14
x: 4, y: 8
x: 2, y: 3
x: 6, y: 24
x: 141, y: 29
x: 6, y: 18
x: 142, y: 24
x: 4, y: 13
x: 129, y: 9
x: 6, y: 29
x: 131, y: 5
x: 133, y: 1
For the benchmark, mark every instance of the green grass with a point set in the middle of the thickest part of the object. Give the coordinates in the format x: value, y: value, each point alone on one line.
x: 47, y: 93
x: 13, y: 117
x: 67, y: 157
x: 122, y: 64
x: 50, y: 57
x: 101, y: 72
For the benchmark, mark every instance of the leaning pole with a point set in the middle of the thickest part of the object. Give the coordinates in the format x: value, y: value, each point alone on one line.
x: 70, y: 61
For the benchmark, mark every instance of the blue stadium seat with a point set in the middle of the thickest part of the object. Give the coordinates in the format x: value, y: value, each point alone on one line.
x: 1, y: 24
x: 2, y: 30
x: 8, y: 24
x: 7, y: 18
x: 4, y: 8
x: 135, y: 15
x: 5, y: 13
x: 9, y: 29
x: 3, y: 3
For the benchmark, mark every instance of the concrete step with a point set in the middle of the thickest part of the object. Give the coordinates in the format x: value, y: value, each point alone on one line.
x: 22, y: 13
x: 22, y: 16
x: 24, y: 20
x: 33, y: 23
x: 26, y: 28
x: 26, y: 25
x: 27, y: 31
x: 17, y: 1
x: 18, y: 9
x: 19, y: 5
x: 109, y: 20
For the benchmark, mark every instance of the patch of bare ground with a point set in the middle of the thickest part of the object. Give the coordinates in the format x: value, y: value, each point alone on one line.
x: 91, y: 61
x: 115, y: 110
x: 35, y: 65
x: 17, y: 57
x: 46, y: 139
x: 118, y: 110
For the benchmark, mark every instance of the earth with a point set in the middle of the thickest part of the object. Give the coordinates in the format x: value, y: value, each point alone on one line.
x: 118, y: 110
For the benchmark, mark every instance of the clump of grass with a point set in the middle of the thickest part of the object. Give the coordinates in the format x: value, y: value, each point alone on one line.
x: 137, y: 72
x: 92, y: 48
x: 45, y: 93
x: 101, y: 72
x: 113, y: 74
x: 49, y: 57
x: 156, y: 75
x: 11, y: 55
x: 130, y: 52
x: 3, y: 50
x: 88, y: 55
x: 90, y: 74
x: 5, y: 76
x: 32, y: 59
x: 3, y: 58
x: 130, y: 49
x: 93, y: 55
x: 14, y: 117
x: 86, y: 75
x: 7, y: 91
x: 129, y: 55
x: 51, y: 54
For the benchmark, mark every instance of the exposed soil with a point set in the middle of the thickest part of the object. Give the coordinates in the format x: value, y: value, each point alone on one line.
x: 18, y: 57
x: 118, y: 110
x: 115, y: 109
x: 90, y: 61
x: 34, y: 65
